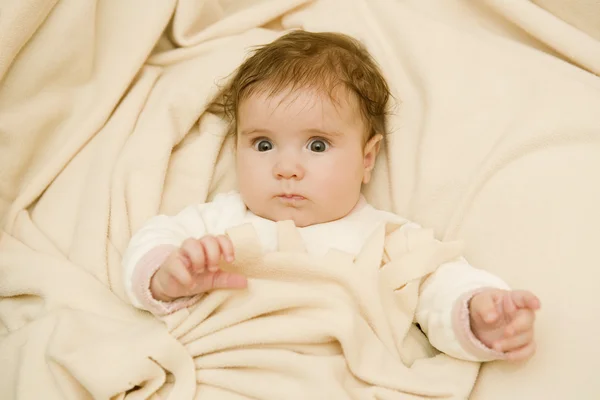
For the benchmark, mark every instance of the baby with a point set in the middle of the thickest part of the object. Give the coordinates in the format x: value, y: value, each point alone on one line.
x: 308, y: 112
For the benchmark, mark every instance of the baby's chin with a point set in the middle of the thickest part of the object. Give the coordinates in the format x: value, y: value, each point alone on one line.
x: 300, y: 217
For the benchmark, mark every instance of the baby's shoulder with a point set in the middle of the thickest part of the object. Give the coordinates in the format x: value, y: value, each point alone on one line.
x: 223, y: 211
x: 370, y: 213
x: 231, y: 199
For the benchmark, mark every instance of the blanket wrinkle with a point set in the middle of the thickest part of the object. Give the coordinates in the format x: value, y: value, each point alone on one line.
x: 103, y: 124
x: 573, y: 37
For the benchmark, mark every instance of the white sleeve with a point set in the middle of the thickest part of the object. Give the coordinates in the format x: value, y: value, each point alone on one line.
x: 441, y: 298
x: 195, y: 221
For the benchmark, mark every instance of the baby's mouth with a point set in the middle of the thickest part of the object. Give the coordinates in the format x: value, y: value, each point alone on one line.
x: 290, y: 197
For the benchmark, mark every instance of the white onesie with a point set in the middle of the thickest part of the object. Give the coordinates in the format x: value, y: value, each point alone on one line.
x: 442, y: 311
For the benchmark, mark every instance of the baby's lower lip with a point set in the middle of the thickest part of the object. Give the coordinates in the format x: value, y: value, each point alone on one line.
x: 291, y: 197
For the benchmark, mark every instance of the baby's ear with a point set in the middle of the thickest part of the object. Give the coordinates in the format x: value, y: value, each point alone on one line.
x: 370, y: 155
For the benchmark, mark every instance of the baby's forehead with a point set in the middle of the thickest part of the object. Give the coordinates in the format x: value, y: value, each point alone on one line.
x: 304, y: 110
x: 307, y: 102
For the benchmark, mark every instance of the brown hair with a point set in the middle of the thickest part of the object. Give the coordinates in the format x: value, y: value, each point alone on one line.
x: 303, y: 59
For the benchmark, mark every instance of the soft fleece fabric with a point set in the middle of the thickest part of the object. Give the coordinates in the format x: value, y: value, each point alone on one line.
x: 494, y: 139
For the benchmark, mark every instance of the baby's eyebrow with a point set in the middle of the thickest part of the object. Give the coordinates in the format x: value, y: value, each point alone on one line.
x: 312, y: 131
x: 315, y: 131
x: 255, y: 130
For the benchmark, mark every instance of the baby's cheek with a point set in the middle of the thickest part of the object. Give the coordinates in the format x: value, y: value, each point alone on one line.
x: 249, y: 167
x: 341, y: 186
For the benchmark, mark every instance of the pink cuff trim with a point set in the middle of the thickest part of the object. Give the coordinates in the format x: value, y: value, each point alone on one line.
x: 144, y: 270
x: 462, y: 329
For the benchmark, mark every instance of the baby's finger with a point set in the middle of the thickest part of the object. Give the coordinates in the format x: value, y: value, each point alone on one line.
x: 509, y: 306
x: 483, y: 306
x: 180, y: 273
x: 192, y: 249
x: 514, y: 342
x: 174, y: 270
x: 532, y: 301
x: 522, y: 354
x: 525, y: 299
x: 226, y: 248
x: 212, y: 250
x: 498, y: 302
x: 522, y: 322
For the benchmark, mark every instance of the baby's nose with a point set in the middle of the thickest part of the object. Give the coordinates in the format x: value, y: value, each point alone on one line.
x: 288, y: 168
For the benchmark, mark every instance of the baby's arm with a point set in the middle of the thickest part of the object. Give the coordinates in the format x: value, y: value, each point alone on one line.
x: 150, y: 247
x: 473, y: 315
x: 443, y: 309
x: 161, y: 238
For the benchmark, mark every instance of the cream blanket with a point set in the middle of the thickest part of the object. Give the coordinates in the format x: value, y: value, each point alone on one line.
x: 495, y: 140
x: 336, y: 327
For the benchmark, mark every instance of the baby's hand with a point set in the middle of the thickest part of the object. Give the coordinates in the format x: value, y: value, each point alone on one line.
x: 503, y: 320
x: 194, y: 269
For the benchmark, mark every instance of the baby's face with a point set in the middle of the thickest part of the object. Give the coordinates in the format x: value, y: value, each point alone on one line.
x: 301, y: 157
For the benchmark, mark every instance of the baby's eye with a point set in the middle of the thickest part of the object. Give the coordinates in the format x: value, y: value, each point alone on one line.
x: 318, y: 145
x: 263, y: 145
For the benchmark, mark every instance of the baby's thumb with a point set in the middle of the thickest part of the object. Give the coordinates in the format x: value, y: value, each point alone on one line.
x: 208, y: 281
x: 229, y: 280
